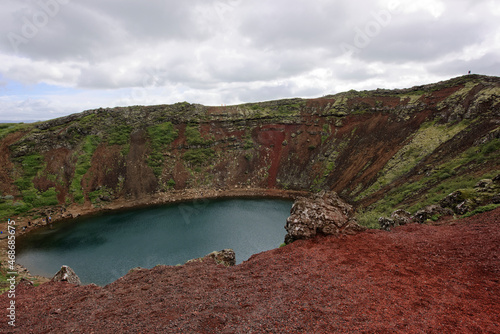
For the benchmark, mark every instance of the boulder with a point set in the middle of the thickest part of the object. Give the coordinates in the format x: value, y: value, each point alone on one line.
x: 386, y: 223
x: 66, y: 274
x: 322, y: 213
x: 401, y: 217
x: 496, y: 199
x: 226, y: 257
x: 429, y: 211
x: 452, y: 200
x: 465, y: 206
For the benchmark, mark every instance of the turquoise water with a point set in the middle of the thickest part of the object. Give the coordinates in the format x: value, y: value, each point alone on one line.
x: 103, y: 248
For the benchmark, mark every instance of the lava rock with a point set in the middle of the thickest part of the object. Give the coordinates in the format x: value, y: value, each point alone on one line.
x: 386, y: 223
x: 452, y: 200
x: 226, y: 257
x: 465, y: 206
x: 496, y: 199
x: 429, y: 211
x: 323, y: 213
x: 66, y: 274
x: 401, y: 217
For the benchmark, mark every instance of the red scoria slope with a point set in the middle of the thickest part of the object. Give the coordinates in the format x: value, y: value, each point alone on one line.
x: 414, y: 279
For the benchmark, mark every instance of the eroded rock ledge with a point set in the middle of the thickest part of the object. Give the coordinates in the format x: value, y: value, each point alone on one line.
x: 322, y: 213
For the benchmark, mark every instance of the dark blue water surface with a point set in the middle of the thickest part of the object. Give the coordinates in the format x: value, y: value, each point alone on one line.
x: 103, y: 248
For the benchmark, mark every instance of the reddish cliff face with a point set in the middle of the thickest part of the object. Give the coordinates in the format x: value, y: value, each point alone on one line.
x: 379, y: 149
x: 414, y: 279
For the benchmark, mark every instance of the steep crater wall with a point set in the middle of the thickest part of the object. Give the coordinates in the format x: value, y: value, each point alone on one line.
x: 378, y: 149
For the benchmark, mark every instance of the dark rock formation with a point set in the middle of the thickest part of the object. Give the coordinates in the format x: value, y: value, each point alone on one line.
x: 453, y: 200
x: 401, y: 217
x: 323, y: 213
x: 398, y: 218
x: 66, y: 274
x: 430, y: 211
x: 227, y: 257
x: 485, y: 192
x: 386, y: 223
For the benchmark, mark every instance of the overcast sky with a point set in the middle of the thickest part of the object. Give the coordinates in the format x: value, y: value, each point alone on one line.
x: 59, y: 57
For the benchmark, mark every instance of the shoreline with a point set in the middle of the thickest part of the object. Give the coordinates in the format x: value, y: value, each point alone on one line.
x: 75, y: 211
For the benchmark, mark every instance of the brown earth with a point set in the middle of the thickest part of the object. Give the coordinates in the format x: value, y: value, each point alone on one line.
x: 441, y: 278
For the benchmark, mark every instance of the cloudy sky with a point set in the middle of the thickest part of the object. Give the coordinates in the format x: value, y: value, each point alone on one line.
x: 59, y: 57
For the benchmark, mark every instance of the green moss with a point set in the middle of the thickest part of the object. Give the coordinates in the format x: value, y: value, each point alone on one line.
x: 171, y: 184
x: 198, y: 156
x: 369, y: 218
x: 7, y: 128
x: 423, y: 143
x: 31, y: 165
x: 119, y: 135
x: 193, y: 136
x: 89, y: 145
x: 481, y: 209
x: 161, y: 136
x: 325, y: 133
x: 95, y: 195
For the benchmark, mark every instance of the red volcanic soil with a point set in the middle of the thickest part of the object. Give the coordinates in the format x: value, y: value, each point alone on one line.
x: 415, y: 279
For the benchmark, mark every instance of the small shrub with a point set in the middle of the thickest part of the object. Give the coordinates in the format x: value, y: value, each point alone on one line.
x: 171, y: 184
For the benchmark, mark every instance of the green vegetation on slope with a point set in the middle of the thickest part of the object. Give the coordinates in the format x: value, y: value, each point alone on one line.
x: 90, y: 144
x: 424, y: 142
x: 161, y: 136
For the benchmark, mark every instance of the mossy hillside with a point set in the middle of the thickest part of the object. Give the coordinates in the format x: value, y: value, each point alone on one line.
x: 83, y: 164
x: 29, y: 167
x: 161, y: 136
x: 462, y: 173
x: 7, y: 128
x: 424, y: 142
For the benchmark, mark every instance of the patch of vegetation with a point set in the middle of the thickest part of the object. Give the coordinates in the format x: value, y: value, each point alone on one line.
x: 7, y: 128
x: 35, y: 198
x: 481, y: 209
x: 96, y: 195
x: 325, y: 133
x: 198, y: 157
x: 90, y: 144
x: 193, y: 136
x: 31, y: 165
x: 119, y: 135
x: 171, y: 184
x: 161, y: 136
x: 423, y: 143
x: 369, y: 218
x: 289, y: 109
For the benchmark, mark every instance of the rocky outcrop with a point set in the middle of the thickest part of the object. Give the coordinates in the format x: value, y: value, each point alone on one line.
x: 386, y: 223
x: 323, y: 213
x: 226, y: 257
x: 486, y: 191
x: 66, y: 274
x: 401, y: 217
x: 431, y: 211
x: 398, y: 218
